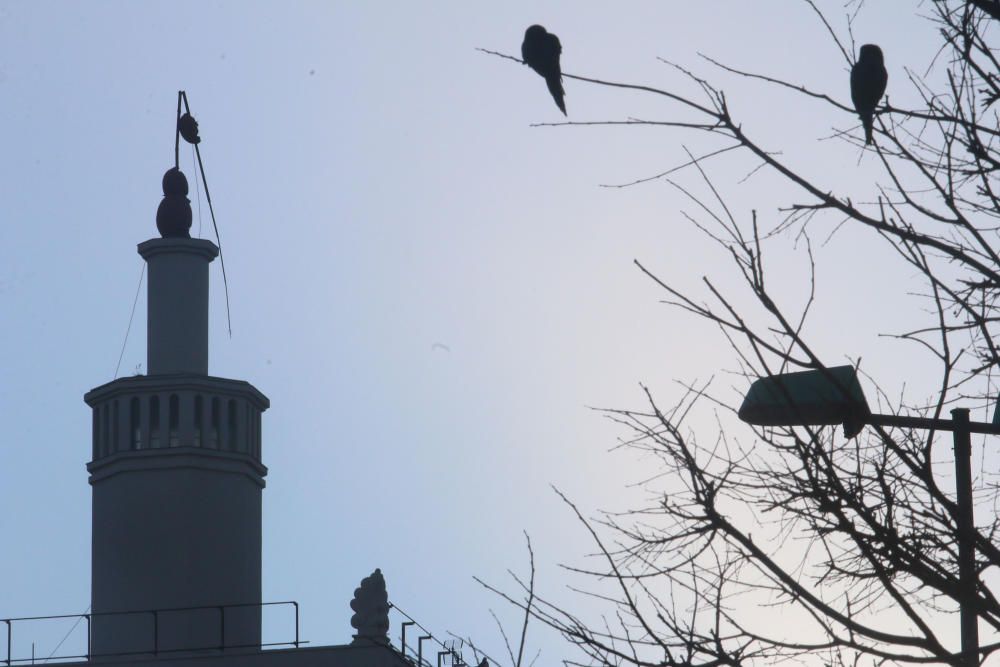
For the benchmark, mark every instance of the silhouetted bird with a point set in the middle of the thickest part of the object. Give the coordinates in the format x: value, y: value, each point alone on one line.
x: 188, y: 127
x: 540, y: 51
x: 868, y: 80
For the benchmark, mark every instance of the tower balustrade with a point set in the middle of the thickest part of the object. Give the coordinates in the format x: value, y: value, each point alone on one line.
x: 166, y: 411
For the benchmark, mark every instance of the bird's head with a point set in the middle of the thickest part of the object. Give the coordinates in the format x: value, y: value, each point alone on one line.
x: 870, y: 53
x: 534, y: 31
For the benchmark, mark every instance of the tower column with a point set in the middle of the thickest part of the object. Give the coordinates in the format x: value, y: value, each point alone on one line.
x: 177, y: 317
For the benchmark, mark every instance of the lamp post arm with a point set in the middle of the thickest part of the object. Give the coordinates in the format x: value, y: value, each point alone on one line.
x: 929, y: 423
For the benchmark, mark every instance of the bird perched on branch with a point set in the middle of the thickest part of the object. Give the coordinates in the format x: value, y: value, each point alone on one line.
x: 540, y: 51
x: 868, y: 80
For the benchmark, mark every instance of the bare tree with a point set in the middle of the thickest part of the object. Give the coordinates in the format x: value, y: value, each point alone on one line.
x: 866, y: 557
x: 527, y: 605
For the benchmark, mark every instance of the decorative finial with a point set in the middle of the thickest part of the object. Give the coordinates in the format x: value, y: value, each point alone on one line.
x: 173, y: 217
x: 371, y: 610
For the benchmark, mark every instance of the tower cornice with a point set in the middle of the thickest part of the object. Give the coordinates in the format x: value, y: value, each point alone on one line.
x: 199, y: 247
x: 191, y: 458
x: 127, y: 386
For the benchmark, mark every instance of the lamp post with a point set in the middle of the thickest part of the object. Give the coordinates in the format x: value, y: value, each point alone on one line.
x: 833, y: 396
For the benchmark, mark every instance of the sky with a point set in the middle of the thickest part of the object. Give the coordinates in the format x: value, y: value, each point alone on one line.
x: 433, y: 293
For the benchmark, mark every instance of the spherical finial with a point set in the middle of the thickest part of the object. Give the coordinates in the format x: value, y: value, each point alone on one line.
x: 173, y: 217
x: 175, y: 183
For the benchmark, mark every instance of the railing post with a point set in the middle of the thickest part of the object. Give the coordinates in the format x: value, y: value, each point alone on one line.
x: 156, y: 632
x: 420, y: 649
x: 8, y: 642
x: 402, y: 639
x: 89, y: 636
x: 296, y: 605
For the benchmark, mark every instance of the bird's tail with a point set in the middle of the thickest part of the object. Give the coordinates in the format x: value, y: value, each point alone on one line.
x: 868, y: 122
x: 555, y: 87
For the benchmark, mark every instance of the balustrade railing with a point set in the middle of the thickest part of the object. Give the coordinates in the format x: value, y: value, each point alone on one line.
x: 155, y: 616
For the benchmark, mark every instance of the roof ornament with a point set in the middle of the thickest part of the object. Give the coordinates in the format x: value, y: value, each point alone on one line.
x: 371, y: 610
x: 173, y: 217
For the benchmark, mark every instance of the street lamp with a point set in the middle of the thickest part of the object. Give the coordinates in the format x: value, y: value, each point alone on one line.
x: 834, y: 396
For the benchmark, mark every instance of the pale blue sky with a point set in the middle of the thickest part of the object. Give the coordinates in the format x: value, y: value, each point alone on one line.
x: 378, y: 190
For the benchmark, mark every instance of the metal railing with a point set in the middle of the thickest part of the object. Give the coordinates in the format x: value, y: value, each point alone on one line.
x: 450, y: 648
x: 155, y: 614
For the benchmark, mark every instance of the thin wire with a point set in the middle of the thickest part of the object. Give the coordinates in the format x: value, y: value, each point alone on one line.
x: 78, y: 619
x: 131, y: 315
x: 222, y: 260
x: 211, y: 210
x: 197, y: 190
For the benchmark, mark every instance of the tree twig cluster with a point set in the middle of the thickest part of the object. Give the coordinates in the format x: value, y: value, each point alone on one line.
x: 855, y: 539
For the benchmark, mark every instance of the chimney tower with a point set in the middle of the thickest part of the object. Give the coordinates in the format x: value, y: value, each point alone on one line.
x: 176, y: 473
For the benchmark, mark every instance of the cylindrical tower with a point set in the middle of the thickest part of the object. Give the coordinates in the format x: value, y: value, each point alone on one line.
x: 176, y: 478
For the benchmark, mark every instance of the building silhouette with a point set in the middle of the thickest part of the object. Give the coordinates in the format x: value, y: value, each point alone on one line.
x: 177, y: 476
